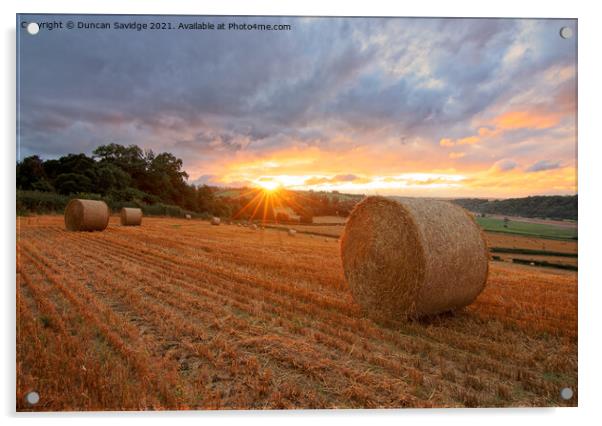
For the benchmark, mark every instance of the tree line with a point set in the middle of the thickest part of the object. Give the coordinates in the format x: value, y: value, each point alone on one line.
x: 120, y: 174
x: 552, y: 206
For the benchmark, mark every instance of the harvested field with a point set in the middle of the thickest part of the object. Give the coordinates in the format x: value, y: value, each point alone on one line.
x: 326, y: 230
x: 330, y: 220
x: 494, y: 239
x: 562, y: 223
x: 184, y: 315
x: 498, y: 239
x: 551, y: 259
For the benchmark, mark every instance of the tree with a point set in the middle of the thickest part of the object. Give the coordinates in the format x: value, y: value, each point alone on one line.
x: 131, y: 159
x: 109, y: 178
x: 30, y: 173
x: 166, y: 177
x: 205, y: 199
x: 120, y: 173
x: 72, y: 183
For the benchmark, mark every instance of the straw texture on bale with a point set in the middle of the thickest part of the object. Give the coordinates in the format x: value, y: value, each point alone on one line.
x: 131, y: 216
x: 86, y: 215
x: 215, y: 221
x: 412, y: 258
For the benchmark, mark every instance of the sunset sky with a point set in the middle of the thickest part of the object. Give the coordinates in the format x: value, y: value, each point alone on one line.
x: 419, y: 107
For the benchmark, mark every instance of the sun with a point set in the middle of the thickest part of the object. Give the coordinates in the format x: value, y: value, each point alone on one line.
x: 269, y: 185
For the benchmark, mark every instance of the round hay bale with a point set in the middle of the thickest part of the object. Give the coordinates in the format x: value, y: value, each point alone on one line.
x: 215, y: 220
x: 292, y: 232
x: 412, y: 258
x: 131, y: 216
x: 86, y: 215
x: 188, y: 217
x: 254, y: 227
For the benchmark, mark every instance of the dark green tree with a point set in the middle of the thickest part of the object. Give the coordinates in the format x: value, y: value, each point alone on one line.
x: 31, y: 174
x: 72, y: 183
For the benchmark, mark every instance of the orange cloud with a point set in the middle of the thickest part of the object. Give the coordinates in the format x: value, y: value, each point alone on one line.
x: 470, y: 140
x: 367, y: 170
x: 486, y: 132
x: 508, y: 121
x: 526, y: 120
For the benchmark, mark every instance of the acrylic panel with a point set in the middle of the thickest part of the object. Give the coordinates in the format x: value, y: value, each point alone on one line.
x: 288, y: 212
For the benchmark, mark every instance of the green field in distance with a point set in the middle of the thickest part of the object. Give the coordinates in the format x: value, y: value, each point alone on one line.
x: 527, y: 228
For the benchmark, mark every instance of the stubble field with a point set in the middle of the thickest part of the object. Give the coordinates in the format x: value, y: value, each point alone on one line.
x: 180, y: 314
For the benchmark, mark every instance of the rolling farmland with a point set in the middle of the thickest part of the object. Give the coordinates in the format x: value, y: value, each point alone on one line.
x: 180, y: 314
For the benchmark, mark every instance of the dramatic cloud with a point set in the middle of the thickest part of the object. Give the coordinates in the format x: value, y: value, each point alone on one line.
x: 331, y: 98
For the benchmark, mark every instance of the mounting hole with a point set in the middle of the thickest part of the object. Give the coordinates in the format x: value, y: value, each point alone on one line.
x: 566, y: 32
x: 566, y: 393
x: 33, y: 28
x: 32, y: 398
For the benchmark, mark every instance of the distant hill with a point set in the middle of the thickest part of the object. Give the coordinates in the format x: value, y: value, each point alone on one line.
x: 553, y: 206
x: 324, y: 203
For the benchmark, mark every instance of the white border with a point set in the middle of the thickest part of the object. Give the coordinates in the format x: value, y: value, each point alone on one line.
x: 590, y: 140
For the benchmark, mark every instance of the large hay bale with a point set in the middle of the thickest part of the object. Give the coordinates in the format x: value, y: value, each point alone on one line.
x: 86, y: 215
x: 412, y: 258
x: 215, y: 220
x: 131, y: 216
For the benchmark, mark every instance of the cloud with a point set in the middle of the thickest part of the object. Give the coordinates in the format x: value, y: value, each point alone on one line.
x: 343, y: 88
x: 205, y: 180
x: 470, y: 140
x: 505, y: 165
x: 543, y: 165
x: 335, y: 179
x: 527, y: 120
x: 345, y: 178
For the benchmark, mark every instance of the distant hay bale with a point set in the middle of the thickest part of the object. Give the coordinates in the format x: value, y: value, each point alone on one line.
x: 412, y: 258
x: 188, y: 217
x: 254, y: 227
x: 292, y: 232
x: 86, y: 215
x: 215, y: 220
x: 131, y: 216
